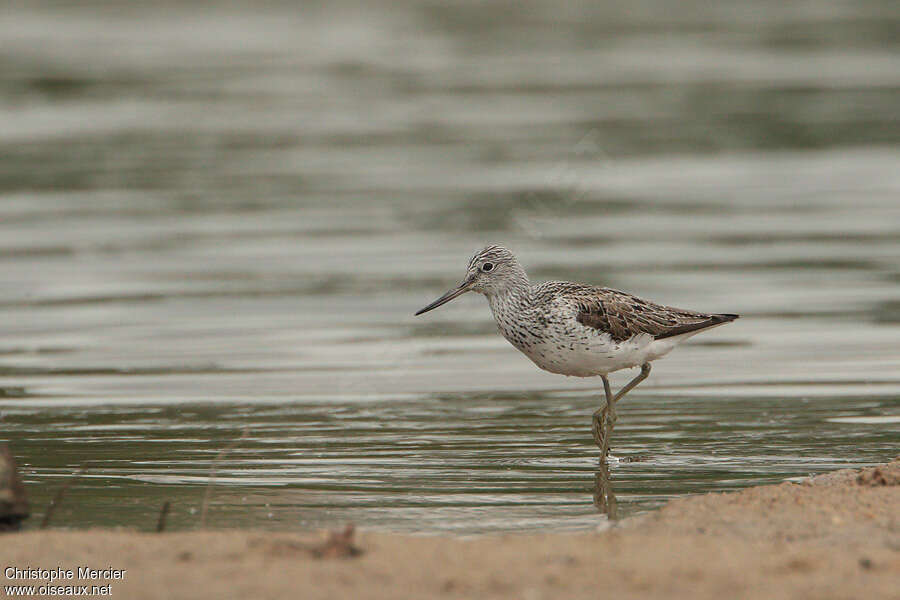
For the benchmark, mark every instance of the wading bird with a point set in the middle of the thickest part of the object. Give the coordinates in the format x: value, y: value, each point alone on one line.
x: 576, y: 329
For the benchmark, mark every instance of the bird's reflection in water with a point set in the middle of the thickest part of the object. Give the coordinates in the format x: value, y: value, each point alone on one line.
x: 604, y: 496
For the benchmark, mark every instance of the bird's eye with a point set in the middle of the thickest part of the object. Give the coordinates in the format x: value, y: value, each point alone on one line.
x: 487, y: 267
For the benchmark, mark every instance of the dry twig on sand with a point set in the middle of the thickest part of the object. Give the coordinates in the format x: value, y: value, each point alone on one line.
x: 57, y: 499
x: 214, y: 471
x: 163, y: 513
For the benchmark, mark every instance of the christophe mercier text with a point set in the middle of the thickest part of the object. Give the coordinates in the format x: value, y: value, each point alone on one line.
x: 57, y: 574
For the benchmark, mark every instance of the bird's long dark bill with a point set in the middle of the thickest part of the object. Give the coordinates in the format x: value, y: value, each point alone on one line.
x: 462, y: 289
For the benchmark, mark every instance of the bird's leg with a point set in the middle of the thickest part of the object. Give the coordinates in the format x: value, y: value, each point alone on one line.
x: 602, y: 422
x: 605, y: 417
x: 645, y: 372
x: 604, y: 495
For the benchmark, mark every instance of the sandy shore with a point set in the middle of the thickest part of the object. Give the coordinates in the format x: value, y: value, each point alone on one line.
x: 833, y: 536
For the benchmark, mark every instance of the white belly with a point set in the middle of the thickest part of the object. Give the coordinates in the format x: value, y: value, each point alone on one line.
x: 598, y: 355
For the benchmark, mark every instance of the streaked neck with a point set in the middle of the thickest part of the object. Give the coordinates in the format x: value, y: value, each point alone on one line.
x: 517, y: 292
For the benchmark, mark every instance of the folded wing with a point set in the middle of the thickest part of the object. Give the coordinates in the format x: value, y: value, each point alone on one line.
x: 623, y: 316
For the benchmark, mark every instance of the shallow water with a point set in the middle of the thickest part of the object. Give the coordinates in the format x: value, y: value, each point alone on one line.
x: 213, y: 222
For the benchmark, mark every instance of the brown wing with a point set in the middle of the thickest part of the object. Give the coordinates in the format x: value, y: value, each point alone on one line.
x: 623, y: 315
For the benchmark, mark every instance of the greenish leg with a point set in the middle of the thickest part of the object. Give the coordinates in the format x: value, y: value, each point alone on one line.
x: 645, y: 372
x: 604, y: 495
x: 605, y: 417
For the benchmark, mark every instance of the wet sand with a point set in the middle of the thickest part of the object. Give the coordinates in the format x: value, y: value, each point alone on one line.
x: 832, y: 536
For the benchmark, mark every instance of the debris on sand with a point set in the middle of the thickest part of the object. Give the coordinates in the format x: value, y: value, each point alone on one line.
x: 13, y: 503
x: 883, y: 475
x: 338, y: 545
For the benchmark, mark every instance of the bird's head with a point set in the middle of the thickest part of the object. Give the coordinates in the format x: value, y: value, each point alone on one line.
x: 492, y: 271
